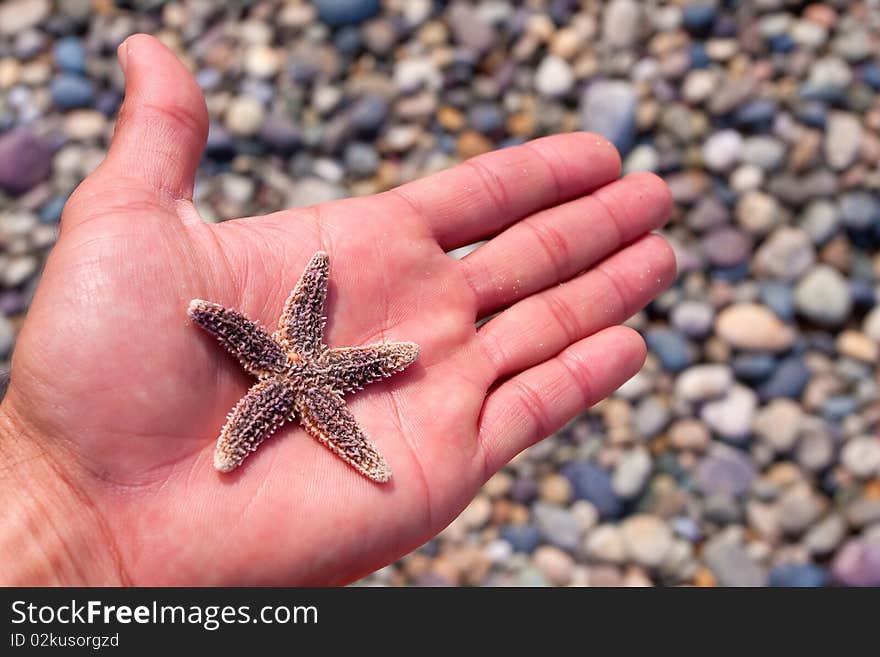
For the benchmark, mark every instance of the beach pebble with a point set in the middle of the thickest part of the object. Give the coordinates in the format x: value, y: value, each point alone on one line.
x: 606, y: 543
x: 648, y: 540
x: 753, y: 327
x: 608, y: 108
x: 823, y: 296
x: 861, y: 456
x: 631, y: 473
x: 724, y: 470
x: 25, y: 161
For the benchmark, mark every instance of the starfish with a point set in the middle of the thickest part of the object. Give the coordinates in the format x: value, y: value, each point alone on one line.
x: 298, y: 376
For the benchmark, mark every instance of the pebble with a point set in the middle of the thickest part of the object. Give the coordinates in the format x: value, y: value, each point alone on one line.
x: 70, y: 91
x: 19, y: 15
x: 593, y: 484
x: 7, y: 336
x: 553, y: 77
x: 858, y: 563
x: 778, y: 424
x: 724, y: 470
x: 703, y: 382
x: 788, y: 380
x: 722, y: 150
x: 731, y: 563
x: 670, y: 347
x: 823, y: 296
x: 631, y: 473
x: 608, y: 108
x: 554, y: 564
x: 727, y: 247
x: 693, y: 318
x: 522, y: 538
x: 606, y: 543
x: 799, y: 507
x: 857, y: 345
x: 620, y: 23
x: 758, y: 212
x: 70, y: 55
x: 786, y: 254
x: 861, y: 456
x: 555, y: 489
x: 311, y: 191
x: 469, y: 28
x: 843, y: 140
x: 648, y: 540
x: 25, y: 161
x: 245, y: 116
x: 824, y: 537
x: 797, y: 575
x: 731, y: 416
x: 754, y: 327
x: 558, y: 527
x: 337, y: 13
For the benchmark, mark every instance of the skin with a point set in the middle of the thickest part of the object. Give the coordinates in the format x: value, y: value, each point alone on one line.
x: 108, y: 428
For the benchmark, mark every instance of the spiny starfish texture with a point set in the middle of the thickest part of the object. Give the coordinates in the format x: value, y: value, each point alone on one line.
x: 299, y: 376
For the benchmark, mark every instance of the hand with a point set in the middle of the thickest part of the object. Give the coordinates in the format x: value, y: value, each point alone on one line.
x: 116, y: 398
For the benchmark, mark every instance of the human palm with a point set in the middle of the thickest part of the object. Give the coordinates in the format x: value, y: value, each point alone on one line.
x: 128, y: 396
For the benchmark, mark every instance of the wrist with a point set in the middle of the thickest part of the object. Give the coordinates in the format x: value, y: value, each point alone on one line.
x: 50, y: 530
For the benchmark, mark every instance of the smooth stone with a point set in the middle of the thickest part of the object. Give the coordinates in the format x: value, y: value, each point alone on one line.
x: 558, y: 526
x: 731, y: 416
x: 608, y: 108
x: 763, y: 151
x: 647, y: 538
x: 50, y: 212
x: 815, y: 451
x: 722, y: 509
x: 361, y: 159
x: 698, y: 18
x: 724, y: 470
x: 727, y: 247
x: 690, y: 434
x: 779, y: 297
x: 554, y: 564
x: 858, y: 346
x: 703, y: 382
x: 19, y: 15
x: 337, y: 13
x: 7, y: 336
x: 722, y: 150
x: 693, y: 318
x: 827, y: 80
x: 797, y: 575
x: 651, y: 416
x: 843, y: 140
x: 786, y: 254
x: 823, y: 296
x: 799, y: 508
x: 281, y: 134
x: 477, y: 513
x: 70, y: 91
x: 670, y: 347
x: 18, y: 270
x: 25, y: 161
x: 824, y: 537
x: 631, y: 473
x: 871, y: 324
x: 485, y: 118
x: 312, y: 191
x: 709, y: 212
x: 70, y: 55
x: 605, y: 543
x: 789, y: 380
x: 553, y: 77
x: 861, y: 456
x: 368, y: 114
x: 731, y: 563
x: 858, y: 563
x: 593, y: 484
x: 620, y: 23
x: 859, y: 210
x: 524, y: 490
x: 469, y: 28
x: 753, y: 367
x: 758, y: 212
x: 820, y: 220
x: 778, y: 424
x: 523, y: 538
x: 754, y: 327
x: 555, y: 489
x: 244, y: 116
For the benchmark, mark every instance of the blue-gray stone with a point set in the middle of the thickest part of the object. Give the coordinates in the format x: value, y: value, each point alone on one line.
x: 558, y: 526
x: 337, y: 13
x: 798, y: 575
x: 836, y: 408
x: 70, y: 91
x: 50, y: 211
x: 724, y: 471
x: 670, y: 347
x: 698, y: 18
x: 753, y: 367
x: 368, y: 114
x: 486, y: 118
x: 361, y: 159
x: 789, y: 380
x: 524, y: 490
x: 523, y: 538
x: 592, y: 483
x: 859, y: 209
x: 281, y: 134
x: 608, y: 108
x: 70, y: 55
x: 779, y: 297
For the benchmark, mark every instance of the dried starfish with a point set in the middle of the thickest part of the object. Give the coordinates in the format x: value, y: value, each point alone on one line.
x: 299, y: 376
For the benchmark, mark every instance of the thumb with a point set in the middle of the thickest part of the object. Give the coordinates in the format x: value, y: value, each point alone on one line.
x: 163, y: 122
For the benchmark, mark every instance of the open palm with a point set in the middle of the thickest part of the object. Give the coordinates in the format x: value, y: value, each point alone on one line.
x: 126, y: 396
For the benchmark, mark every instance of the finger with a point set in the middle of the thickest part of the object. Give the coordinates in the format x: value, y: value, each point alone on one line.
x: 543, y: 324
x: 537, y: 402
x: 163, y: 122
x: 481, y: 196
x: 553, y: 245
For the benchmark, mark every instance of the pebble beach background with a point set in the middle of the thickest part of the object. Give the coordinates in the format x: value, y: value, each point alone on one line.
x: 746, y: 452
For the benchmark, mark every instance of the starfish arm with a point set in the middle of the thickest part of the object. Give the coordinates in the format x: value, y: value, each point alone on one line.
x: 324, y: 416
x: 255, y: 349
x: 351, y: 368
x: 255, y: 417
x: 301, y: 326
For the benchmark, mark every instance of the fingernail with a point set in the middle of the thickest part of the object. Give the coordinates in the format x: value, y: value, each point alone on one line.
x: 122, y: 55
